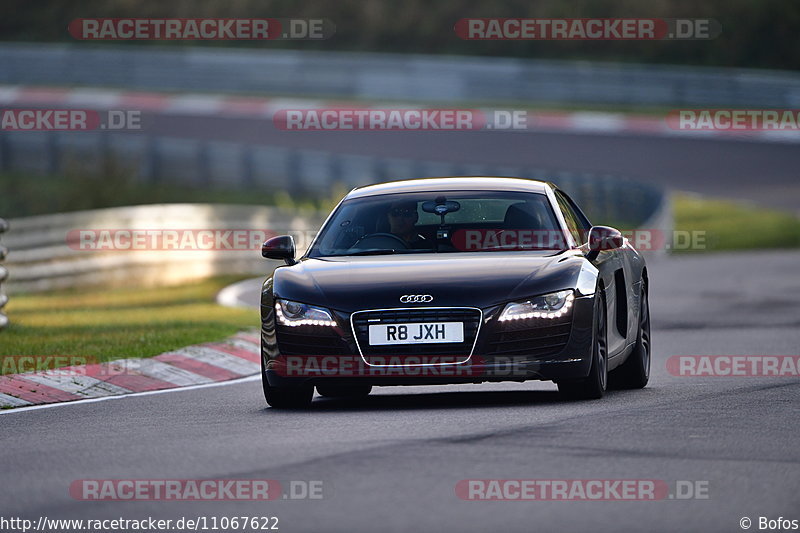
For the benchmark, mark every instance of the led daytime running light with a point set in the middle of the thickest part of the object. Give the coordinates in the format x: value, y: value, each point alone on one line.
x: 541, y: 314
x: 284, y: 321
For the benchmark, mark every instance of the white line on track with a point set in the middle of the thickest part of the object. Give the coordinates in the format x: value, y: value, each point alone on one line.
x: 123, y: 396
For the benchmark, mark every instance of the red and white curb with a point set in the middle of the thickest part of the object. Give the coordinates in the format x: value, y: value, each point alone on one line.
x: 233, y: 358
x: 243, y: 106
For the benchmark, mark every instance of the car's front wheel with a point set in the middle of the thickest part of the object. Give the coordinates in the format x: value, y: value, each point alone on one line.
x: 594, y: 385
x: 289, y: 397
x: 635, y: 371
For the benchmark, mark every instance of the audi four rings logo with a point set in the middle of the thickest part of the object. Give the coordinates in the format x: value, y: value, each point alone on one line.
x: 416, y: 298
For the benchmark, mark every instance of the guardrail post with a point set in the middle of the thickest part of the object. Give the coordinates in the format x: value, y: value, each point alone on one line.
x: 3, y: 276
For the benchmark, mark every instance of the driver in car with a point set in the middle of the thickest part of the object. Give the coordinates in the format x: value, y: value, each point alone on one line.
x: 403, y: 218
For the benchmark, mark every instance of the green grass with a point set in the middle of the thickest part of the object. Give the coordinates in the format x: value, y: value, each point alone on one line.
x: 119, y: 323
x: 732, y: 225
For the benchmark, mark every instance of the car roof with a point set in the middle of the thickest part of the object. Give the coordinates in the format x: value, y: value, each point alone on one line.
x: 453, y: 183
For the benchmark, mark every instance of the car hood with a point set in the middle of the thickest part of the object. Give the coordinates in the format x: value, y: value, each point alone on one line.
x: 480, y: 279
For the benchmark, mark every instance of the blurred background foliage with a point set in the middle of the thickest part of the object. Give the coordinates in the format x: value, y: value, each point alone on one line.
x: 755, y: 33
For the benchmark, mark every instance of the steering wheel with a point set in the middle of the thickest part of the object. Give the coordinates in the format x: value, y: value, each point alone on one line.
x: 380, y: 240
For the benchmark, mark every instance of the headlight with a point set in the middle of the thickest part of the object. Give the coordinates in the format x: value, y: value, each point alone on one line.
x: 551, y: 305
x: 296, y: 314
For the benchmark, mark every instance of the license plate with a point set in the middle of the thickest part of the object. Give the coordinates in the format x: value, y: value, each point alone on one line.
x: 416, y: 333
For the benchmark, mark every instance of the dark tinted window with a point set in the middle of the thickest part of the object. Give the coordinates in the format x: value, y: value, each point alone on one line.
x: 576, y: 223
x: 399, y: 223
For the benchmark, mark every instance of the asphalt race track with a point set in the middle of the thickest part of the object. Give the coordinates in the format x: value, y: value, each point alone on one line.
x: 762, y: 172
x: 391, y: 463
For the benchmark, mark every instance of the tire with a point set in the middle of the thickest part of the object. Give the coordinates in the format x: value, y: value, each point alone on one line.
x: 295, y: 397
x: 344, y: 391
x: 593, y: 386
x: 634, y: 373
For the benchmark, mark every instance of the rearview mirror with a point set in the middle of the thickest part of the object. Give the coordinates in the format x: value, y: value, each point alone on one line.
x: 281, y: 247
x: 603, y: 238
x: 441, y: 206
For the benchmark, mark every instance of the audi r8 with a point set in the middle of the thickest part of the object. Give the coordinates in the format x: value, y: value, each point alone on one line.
x: 454, y: 280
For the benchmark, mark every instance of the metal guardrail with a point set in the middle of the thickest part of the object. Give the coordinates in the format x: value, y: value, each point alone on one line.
x: 202, y: 163
x: 49, y: 252
x: 405, y: 77
x: 3, y: 276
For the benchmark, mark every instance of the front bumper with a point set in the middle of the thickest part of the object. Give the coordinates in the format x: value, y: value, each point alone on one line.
x: 536, y: 350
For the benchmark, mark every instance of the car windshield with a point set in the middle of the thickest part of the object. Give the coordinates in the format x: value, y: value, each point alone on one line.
x: 463, y: 221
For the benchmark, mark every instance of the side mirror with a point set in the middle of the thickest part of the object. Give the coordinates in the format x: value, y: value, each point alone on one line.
x: 603, y: 238
x: 281, y: 247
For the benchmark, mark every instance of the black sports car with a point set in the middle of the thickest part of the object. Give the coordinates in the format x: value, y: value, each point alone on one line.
x: 454, y: 280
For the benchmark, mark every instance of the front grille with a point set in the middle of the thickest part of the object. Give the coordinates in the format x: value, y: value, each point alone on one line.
x: 470, y: 317
x: 534, y: 339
